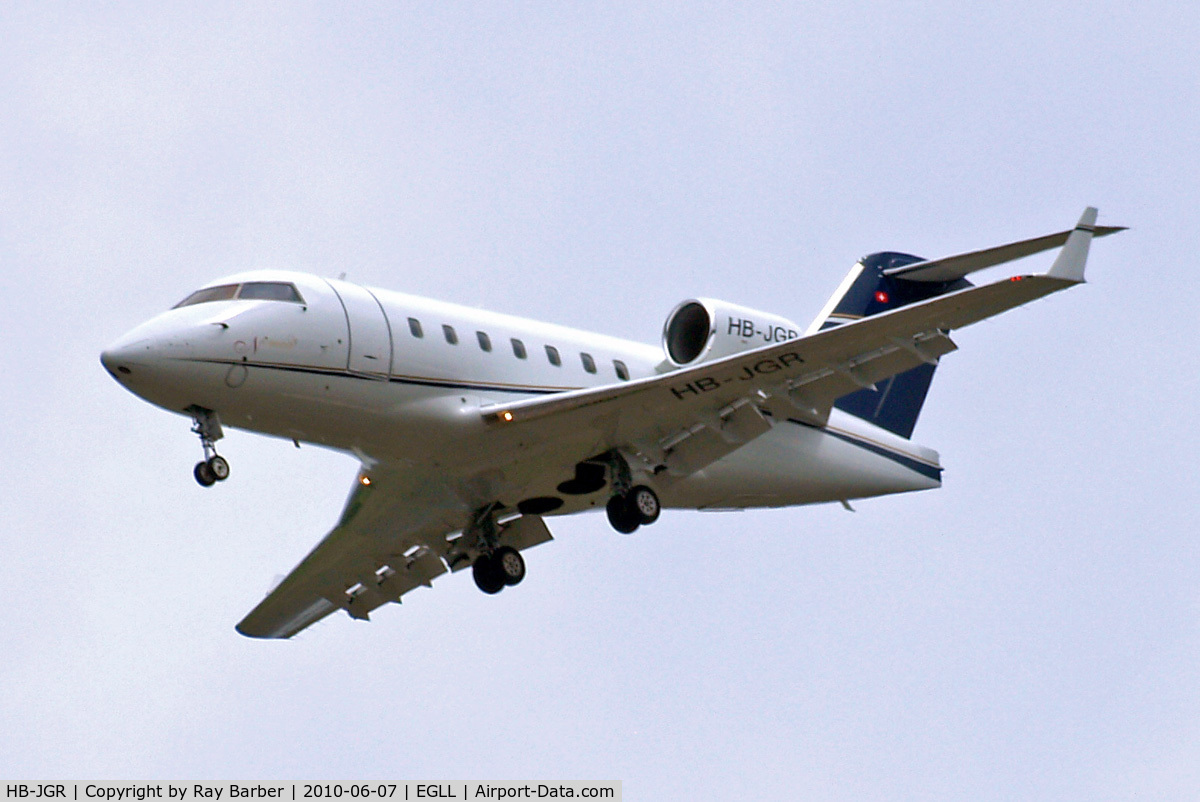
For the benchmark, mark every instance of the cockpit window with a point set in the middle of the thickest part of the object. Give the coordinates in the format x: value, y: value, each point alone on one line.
x: 270, y: 291
x: 222, y: 293
x: 250, y: 291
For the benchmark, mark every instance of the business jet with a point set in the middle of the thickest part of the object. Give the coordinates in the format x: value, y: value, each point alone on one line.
x: 472, y: 427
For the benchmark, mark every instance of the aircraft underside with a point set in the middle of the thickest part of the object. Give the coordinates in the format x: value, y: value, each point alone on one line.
x: 794, y: 463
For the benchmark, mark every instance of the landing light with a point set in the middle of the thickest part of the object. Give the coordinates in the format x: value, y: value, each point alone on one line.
x: 365, y: 480
x: 506, y: 415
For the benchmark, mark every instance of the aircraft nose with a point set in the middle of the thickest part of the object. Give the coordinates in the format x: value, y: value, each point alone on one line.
x: 151, y: 361
x: 121, y: 358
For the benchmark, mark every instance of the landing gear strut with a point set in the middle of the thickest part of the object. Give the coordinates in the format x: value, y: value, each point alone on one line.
x: 213, y: 468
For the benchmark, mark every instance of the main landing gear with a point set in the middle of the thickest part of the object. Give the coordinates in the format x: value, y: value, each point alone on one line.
x: 628, y: 511
x: 630, y: 505
x: 497, y: 566
x: 213, y: 468
x: 503, y: 567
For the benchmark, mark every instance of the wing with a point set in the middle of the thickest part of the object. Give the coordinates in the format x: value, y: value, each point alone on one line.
x: 684, y: 420
x: 949, y: 268
x: 397, y: 532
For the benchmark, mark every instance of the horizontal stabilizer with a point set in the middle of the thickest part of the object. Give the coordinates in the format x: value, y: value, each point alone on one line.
x: 951, y: 268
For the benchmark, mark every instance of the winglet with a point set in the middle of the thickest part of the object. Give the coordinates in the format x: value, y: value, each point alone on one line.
x: 1071, y: 260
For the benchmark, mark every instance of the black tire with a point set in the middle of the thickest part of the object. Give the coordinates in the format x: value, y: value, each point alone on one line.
x: 487, y: 577
x: 643, y: 502
x: 219, y: 468
x: 620, y: 515
x: 204, y: 474
x: 509, y: 565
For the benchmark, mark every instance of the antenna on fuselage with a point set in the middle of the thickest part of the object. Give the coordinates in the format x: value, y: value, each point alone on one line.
x: 342, y: 276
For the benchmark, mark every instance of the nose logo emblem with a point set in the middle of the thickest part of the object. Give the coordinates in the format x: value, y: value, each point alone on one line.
x: 236, y: 376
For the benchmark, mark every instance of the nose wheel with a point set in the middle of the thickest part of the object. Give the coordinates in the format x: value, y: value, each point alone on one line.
x: 210, y: 471
x: 213, y: 468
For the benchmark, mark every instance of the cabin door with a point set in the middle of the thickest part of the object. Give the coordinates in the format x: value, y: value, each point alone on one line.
x: 370, y: 336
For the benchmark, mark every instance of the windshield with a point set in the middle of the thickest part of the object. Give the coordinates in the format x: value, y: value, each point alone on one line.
x: 250, y: 291
x: 270, y: 291
x: 222, y: 293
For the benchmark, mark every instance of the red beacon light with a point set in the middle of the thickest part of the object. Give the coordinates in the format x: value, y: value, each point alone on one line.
x: 881, y: 296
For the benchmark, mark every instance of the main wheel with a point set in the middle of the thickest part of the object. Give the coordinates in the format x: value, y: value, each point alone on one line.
x: 487, y: 575
x: 622, y: 517
x: 509, y: 564
x: 204, y: 474
x: 219, y: 468
x: 644, y: 502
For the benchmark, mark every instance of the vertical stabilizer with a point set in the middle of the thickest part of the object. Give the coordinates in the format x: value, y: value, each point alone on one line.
x: 867, y: 290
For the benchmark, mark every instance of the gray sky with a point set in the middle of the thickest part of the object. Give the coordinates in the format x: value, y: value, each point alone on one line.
x: 1031, y: 630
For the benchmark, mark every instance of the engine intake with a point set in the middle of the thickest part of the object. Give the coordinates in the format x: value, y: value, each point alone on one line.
x: 703, y: 329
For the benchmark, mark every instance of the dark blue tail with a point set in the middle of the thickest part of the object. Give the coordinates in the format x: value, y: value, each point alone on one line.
x: 895, y: 403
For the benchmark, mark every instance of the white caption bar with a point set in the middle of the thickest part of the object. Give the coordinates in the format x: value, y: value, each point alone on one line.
x: 306, y: 792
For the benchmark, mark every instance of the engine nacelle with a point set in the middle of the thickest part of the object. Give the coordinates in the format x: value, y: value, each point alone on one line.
x: 703, y: 329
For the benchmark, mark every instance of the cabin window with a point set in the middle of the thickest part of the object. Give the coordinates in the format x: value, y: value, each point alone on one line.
x: 222, y: 293
x: 552, y: 355
x: 451, y: 334
x: 414, y: 326
x: 589, y: 364
x: 622, y: 371
x: 518, y: 349
x: 485, y: 342
x: 270, y: 291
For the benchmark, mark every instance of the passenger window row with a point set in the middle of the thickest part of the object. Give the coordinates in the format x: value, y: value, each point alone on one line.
x: 518, y: 348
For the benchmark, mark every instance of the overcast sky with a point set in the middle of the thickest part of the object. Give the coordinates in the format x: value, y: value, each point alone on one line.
x: 1031, y: 630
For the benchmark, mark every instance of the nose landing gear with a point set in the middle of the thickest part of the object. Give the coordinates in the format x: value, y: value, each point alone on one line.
x: 213, y: 468
x: 210, y: 471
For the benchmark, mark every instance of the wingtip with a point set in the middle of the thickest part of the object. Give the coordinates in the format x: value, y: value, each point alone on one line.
x: 1072, y: 259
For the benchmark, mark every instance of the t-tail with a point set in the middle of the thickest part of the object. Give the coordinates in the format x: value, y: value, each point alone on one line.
x: 888, y: 280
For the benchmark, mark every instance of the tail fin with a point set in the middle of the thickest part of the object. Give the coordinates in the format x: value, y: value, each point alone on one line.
x: 884, y: 281
x: 869, y: 289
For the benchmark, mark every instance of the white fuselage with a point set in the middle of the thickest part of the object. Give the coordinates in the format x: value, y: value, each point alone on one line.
x: 395, y: 378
